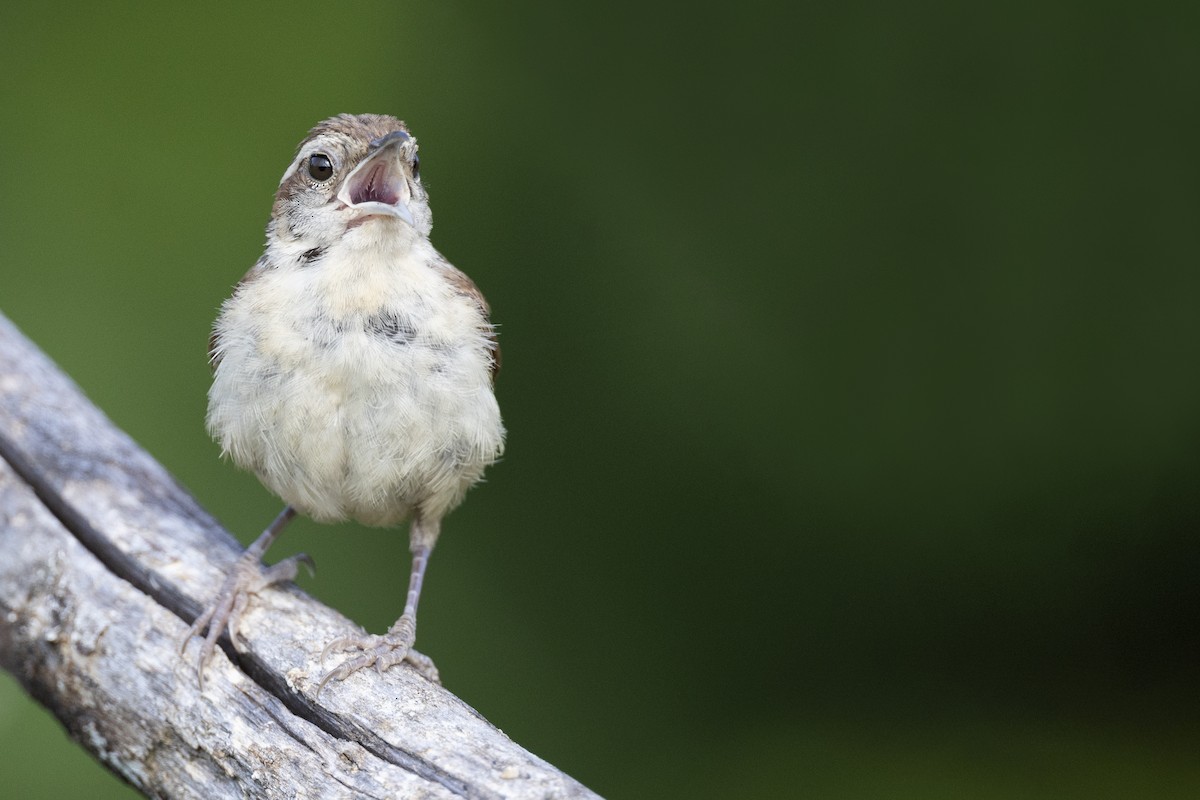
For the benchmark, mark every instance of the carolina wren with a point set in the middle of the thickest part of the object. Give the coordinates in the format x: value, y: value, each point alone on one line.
x: 353, y: 369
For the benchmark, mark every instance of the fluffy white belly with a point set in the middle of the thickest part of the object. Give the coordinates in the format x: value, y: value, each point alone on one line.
x: 352, y: 406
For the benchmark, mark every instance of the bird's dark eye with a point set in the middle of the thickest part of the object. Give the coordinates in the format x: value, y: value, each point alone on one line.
x: 320, y: 167
x: 416, y: 167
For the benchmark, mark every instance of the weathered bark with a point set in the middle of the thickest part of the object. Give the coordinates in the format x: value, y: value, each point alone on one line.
x: 105, y: 560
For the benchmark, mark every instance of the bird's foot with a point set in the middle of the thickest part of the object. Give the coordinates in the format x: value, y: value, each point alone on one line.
x: 248, y: 577
x: 380, y: 652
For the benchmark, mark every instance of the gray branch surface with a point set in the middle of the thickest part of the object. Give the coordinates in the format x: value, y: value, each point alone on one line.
x: 104, y: 562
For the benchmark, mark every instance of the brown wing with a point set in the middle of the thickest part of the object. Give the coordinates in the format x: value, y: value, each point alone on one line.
x: 466, y: 286
x: 214, y: 356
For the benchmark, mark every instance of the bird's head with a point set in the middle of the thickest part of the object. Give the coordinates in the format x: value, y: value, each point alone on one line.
x: 351, y: 172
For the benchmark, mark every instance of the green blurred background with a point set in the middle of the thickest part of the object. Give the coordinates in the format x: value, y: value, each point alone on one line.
x: 850, y: 365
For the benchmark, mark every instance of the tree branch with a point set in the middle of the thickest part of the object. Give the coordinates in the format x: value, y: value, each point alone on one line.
x: 105, y: 561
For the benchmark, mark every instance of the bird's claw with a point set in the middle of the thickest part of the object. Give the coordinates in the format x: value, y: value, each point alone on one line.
x: 245, y: 579
x: 380, y: 652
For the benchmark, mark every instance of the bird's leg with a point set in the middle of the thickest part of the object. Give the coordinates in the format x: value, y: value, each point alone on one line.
x: 246, y: 578
x: 394, y: 646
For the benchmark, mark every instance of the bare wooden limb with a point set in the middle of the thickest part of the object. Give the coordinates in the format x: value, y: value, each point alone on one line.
x: 105, y: 560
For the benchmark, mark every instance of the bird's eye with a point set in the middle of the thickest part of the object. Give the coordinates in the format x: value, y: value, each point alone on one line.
x: 416, y: 166
x: 320, y: 167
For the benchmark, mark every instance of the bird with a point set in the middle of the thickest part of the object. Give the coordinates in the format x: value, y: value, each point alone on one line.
x: 353, y: 372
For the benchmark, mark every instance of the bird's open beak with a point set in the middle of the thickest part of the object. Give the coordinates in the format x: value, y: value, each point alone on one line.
x: 379, y: 185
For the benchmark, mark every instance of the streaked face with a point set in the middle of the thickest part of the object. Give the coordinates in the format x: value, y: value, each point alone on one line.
x: 350, y: 172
